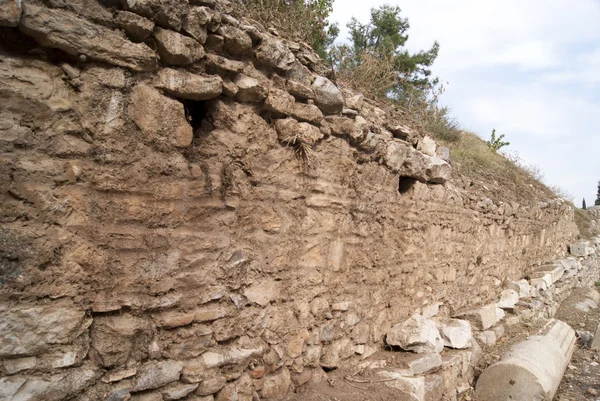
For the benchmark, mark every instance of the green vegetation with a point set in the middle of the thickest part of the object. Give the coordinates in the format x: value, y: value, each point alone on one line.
x: 496, y: 143
x: 375, y: 61
x: 300, y: 20
x: 583, y: 205
x: 597, y: 203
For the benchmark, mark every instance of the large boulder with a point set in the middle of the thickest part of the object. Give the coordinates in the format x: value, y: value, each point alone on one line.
x: 159, y: 117
x: 416, y: 334
x: 327, y: 96
x: 63, y: 30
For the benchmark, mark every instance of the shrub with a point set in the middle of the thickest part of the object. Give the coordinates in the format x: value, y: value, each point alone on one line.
x: 496, y: 143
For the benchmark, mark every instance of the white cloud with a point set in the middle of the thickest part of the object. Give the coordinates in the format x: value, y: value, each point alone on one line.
x: 530, y: 69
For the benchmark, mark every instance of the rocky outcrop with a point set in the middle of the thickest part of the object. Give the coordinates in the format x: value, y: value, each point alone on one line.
x: 190, y: 209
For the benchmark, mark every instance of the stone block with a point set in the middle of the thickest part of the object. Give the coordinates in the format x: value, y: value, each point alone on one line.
x: 521, y: 287
x: 274, y: 53
x: 32, y: 330
x: 412, y: 387
x: 186, y: 85
x: 456, y: 333
x: 159, y: 117
x: 157, y: 374
x: 355, y: 102
x: 177, y: 49
x: 10, y: 12
x: 482, y: 318
x: 416, y: 334
x: 424, y: 363
x: 581, y: 249
x: 250, y: 89
x: 427, y: 146
x: 76, y: 36
x: 136, y: 27
x: 508, y: 299
x: 327, y: 96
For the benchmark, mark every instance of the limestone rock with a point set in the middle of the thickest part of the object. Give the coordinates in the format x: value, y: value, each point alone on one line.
x: 76, y: 36
x: 482, y: 318
x: 159, y: 117
x: 279, y: 101
x: 327, y: 96
x: 262, y: 293
x: 437, y: 170
x: 236, y: 41
x: 508, y: 299
x: 355, y: 102
x: 395, y: 155
x: 416, y: 334
x: 177, y: 49
x: 10, y: 12
x: 136, y: 27
x: 443, y: 153
x: 487, y: 337
x: 427, y: 146
x: 334, y: 353
x: 299, y: 90
x: 186, y: 85
x: 290, y: 130
x: 157, y: 374
x: 277, y: 385
x: 413, y: 388
x: 521, y: 287
x: 456, y: 333
x: 274, y: 53
x: 307, y: 112
x: 219, y: 63
x: 32, y: 330
x: 353, y: 129
x: 13, y: 366
x: 424, y: 363
x: 250, y: 89
x: 194, y: 23
x: 176, y: 391
x: 166, y: 13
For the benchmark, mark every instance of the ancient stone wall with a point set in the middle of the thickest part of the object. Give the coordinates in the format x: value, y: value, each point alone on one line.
x: 190, y: 209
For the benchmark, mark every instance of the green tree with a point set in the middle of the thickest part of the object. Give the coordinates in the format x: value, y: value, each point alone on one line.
x: 597, y: 203
x: 583, y: 205
x: 496, y: 143
x: 384, y: 38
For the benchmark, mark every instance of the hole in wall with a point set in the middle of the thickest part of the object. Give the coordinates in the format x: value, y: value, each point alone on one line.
x: 195, y: 113
x: 405, y: 184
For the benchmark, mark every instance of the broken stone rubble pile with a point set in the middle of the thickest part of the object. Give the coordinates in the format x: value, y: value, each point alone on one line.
x: 161, y: 241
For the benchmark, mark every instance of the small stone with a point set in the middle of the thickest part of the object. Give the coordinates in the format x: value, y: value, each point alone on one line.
x: 223, y: 64
x: 176, y: 391
x: 413, y: 388
x: 13, y: 366
x: 186, y: 85
x: 355, y: 102
x: 443, y: 153
x: 279, y: 102
x: 349, y: 112
x: 487, y: 337
x: 352, y: 320
x: 290, y: 130
x: 508, y: 299
x: 177, y: 49
x: 429, y: 311
x: 262, y: 293
x: 229, y: 88
x: 416, y: 334
x: 427, y: 146
x: 306, y: 112
x: 512, y: 320
x: 327, y: 96
x: 521, y: 287
x: 10, y: 12
x: 166, y: 13
x: 136, y: 27
x: 438, y: 171
x: 592, y: 391
x: 299, y: 90
x: 250, y: 89
x: 586, y: 305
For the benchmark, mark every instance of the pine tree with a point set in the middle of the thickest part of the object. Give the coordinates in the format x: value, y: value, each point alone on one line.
x: 583, y: 205
x: 597, y: 203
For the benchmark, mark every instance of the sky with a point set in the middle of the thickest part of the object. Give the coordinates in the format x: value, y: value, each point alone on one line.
x: 528, y: 68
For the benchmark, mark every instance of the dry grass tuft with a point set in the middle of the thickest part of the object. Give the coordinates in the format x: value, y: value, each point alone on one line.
x: 373, y: 76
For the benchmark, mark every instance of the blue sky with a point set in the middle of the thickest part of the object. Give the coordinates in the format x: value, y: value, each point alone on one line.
x: 528, y: 68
